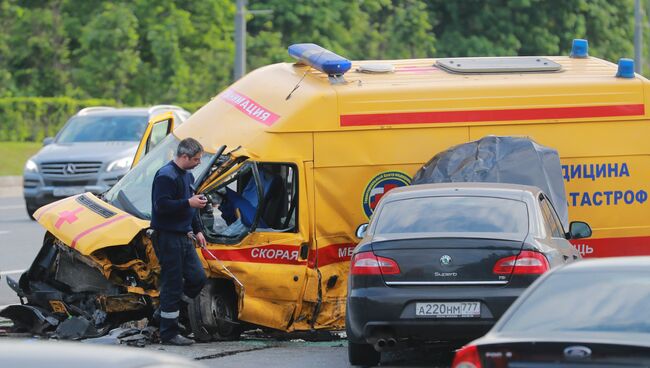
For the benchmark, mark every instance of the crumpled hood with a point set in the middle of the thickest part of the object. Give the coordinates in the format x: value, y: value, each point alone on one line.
x: 86, y: 223
x: 86, y: 151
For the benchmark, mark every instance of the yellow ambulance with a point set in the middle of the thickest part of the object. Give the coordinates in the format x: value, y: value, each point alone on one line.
x: 313, y: 146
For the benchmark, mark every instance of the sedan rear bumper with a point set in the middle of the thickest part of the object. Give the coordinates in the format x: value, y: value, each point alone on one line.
x: 389, y: 312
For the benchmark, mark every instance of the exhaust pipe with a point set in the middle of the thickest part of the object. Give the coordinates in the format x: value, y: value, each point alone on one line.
x: 380, y: 344
x: 383, y: 344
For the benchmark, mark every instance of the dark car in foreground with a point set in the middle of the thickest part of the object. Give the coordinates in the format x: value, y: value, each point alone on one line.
x: 593, y: 313
x: 32, y: 353
x: 92, y: 151
x: 442, y: 262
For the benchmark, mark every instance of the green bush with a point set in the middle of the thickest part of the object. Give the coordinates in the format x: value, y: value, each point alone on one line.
x: 30, y: 119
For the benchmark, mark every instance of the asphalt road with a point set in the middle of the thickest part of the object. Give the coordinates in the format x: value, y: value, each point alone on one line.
x: 20, y: 240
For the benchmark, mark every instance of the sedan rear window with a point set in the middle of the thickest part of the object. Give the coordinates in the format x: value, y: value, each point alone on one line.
x: 465, y: 215
x: 605, y: 301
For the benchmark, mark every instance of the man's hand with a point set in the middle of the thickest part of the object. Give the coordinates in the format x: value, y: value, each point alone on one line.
x: 198, y: 201
x: 200, y: 240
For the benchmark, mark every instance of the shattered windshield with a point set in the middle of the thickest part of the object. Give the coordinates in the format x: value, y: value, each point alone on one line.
x: 133, y: 193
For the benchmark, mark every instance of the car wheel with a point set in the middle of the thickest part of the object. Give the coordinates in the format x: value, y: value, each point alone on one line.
x: 362, y: 354
x: 213, y: 314
x: 31, y: 208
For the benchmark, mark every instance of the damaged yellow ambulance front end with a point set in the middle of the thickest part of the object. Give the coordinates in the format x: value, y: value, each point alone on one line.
x: 268, y: 263
x: 96, y: 263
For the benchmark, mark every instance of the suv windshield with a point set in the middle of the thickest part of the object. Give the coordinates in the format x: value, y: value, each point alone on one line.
x: 133, y: 192
x: 100, y: 128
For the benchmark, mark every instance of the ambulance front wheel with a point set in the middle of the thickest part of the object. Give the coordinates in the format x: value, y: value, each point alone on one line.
x: 213, y: 313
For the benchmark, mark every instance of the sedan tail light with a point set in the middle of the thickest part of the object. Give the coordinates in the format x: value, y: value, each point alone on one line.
x: 467, y: 357
x: 367, y: 263
x: 525, y: 263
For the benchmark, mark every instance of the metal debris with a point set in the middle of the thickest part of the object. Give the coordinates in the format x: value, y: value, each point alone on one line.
x: 31, y: 319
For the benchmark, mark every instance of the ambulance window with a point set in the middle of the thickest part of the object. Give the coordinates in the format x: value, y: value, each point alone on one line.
x: 238, y: 205
x: 280, y: 197
x: 158, y: 132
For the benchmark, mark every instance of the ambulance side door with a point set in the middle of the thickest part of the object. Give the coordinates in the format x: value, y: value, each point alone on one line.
x: 279, y: 247
x: 258, y: 228
x: 158, y: 128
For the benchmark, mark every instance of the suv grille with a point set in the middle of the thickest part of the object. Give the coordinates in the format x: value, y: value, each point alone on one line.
x: 70, y: 169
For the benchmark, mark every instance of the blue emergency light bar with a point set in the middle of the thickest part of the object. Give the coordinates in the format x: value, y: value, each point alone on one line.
x: 625, y: 68
x: 320, y: 58
x: 579, y: 49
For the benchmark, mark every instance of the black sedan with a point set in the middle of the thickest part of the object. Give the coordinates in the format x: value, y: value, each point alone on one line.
x: 443, y: 262
x: 593, y: 313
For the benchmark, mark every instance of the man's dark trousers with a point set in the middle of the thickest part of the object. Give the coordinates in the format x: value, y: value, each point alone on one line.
x: 181, y: 273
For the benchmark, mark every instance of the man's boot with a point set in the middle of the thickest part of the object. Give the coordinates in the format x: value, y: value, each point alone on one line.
x: 155, y: 318
x: 178, y: 340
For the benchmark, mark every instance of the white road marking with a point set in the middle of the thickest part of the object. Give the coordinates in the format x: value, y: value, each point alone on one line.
x: 12, y: 272
x: 4, y: 232
x: 14, y: 207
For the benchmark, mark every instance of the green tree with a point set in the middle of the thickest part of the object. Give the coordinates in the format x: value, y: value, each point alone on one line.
x: 39, y: 56
x: 408, y: 30
x: 533, y: 27
x: 334, y: 24
x: 182, y: 51
x: 187, y: 50
x: 108, y: 55
x: 6, y: 15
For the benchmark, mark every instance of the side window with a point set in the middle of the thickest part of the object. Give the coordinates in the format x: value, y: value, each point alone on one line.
x: 158, y: 132
x: 555, y: 217
x: 279, y: 211
x: 550, y: 218
x: 258, y: 197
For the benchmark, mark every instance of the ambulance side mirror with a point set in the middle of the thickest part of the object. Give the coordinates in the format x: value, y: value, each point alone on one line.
x: 579, y: 230
x: 361, y: 230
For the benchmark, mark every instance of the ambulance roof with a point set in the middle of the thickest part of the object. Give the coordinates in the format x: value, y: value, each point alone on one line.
x: 295, y: 98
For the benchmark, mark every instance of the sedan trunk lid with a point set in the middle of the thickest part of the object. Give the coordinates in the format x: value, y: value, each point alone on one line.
x: 450, y: 260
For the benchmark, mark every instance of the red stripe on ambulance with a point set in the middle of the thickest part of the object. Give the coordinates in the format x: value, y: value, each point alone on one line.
x: 94, y: 228
x: 249, y: 107
x: 283, y: 254
x: 276, y: 254
x: 613, y: 247
x: 468, y: 116
x: 333, y: 253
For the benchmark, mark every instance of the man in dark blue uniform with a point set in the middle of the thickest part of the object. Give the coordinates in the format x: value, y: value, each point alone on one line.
x: 175, y: 224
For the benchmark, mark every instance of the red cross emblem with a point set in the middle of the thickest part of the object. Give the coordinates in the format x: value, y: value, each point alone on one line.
x: 67, y: 216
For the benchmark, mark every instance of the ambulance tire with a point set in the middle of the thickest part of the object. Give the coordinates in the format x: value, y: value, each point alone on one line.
x: 362, y: 354
x: 216, y: 302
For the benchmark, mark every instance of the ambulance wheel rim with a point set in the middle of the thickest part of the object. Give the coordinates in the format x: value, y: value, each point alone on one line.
x: 223, y: 308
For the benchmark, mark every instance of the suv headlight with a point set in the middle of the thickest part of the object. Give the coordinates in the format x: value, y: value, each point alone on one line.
x: 30, y: 166
x: 121, y: 164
